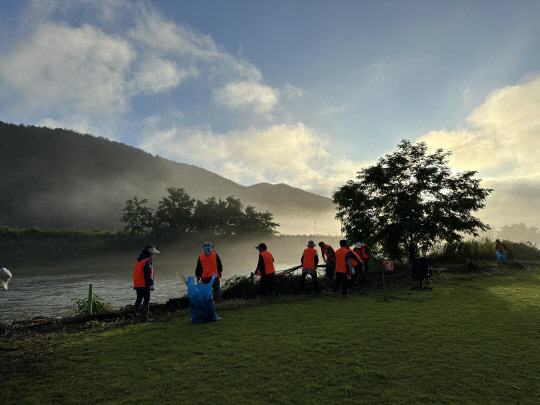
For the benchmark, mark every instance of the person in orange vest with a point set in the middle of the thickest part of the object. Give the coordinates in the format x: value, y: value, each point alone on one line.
x: 356, y: 262
x: 344, y: 268
x: 265, y: 268
x: 309, y: 261
x: 143, y: 281
x: 329, y: 258
x: 209, y: 264
x: 500, y: 251
x: 500, y: 246
x: 362, y: 251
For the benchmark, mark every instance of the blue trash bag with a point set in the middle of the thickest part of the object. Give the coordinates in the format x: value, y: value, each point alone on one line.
x: 201, y: 301
x: 501, y: 256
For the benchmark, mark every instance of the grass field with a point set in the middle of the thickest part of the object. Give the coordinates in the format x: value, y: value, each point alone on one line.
x: 472, y: 340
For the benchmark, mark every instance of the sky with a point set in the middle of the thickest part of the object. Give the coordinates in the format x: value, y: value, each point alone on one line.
x: 303, y: 92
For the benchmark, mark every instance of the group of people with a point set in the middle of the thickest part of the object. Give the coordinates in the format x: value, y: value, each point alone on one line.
x: 345, y: 263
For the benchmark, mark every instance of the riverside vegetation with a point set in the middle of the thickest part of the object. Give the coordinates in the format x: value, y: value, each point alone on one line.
x: 473, y: 339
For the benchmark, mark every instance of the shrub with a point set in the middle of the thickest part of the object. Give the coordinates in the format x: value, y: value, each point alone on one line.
x: 99, y: 306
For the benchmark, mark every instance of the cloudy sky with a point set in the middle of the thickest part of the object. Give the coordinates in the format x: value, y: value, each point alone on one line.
x: 303, y: 92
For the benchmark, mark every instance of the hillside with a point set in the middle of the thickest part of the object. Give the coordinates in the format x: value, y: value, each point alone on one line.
x: 60, y: 178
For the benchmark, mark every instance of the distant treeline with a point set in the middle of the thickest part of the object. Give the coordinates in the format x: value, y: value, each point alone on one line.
x: 179, y: 213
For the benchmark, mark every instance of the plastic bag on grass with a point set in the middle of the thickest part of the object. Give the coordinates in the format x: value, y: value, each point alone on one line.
x: 201, y: 301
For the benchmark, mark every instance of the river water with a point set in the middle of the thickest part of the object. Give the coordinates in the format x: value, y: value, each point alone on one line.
x: 50, y: 291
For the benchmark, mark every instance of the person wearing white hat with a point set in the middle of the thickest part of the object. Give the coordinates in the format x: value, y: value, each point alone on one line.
x: 309, y: 262
x: 143, y: 281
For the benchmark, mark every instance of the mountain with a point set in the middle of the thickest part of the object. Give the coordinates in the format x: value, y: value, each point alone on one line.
x: 61, y: 178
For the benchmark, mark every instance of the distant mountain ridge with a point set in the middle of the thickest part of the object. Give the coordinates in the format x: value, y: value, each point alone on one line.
x: 60, y: 178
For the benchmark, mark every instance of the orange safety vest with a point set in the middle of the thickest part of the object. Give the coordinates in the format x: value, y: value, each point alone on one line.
x: 138, y: 273
x: 309, y: 258
x: 341, y: 260
x: 209, y: 265
x: 268, y: 262
x: 355, y: 259
x: 325, y: 251
x: 363, y: 252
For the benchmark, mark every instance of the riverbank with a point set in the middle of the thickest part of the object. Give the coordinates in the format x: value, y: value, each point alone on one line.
x: 473, y: 339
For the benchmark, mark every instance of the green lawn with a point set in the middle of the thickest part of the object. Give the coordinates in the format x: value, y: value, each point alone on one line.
x: 471, y: 340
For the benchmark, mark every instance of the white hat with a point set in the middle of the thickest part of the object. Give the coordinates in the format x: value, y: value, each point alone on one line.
x: 358, y: 244
x: 152, y: 250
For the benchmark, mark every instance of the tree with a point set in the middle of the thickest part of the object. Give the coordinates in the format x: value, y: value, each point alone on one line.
x: 521, y: 233
x: 175, y: 211
x: 409, y: 201
x: 208, y: 216
x: 138, y: 219
x: 258, y: 223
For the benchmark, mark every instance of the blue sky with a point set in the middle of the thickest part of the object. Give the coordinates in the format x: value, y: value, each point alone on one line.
x: 299, y: 92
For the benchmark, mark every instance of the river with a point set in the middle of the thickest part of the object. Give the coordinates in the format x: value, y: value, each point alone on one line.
x: 50, y: 291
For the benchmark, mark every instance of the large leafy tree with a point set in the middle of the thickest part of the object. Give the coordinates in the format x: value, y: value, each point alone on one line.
x: 175, y: 211
x: 258, y: 223
x: 138, y: 218
x: 208, y: 215
x: 409, y: 201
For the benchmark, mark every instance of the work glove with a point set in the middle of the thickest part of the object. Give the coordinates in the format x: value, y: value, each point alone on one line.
x: 198, y: 279
x: 353, y: 272
x: 151, y: 288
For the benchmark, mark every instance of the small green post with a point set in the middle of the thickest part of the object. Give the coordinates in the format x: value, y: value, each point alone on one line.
x: 90, y: 298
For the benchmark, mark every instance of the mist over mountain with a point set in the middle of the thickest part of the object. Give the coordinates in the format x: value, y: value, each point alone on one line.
x: 61, y: 178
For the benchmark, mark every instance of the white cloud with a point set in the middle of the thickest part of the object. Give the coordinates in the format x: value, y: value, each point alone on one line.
x: 290, y: 92
x: 293, y: 154
x: 66, y: 70
x: 87, y: 73
x: 502, y: 132
x: 247, y: 95
x: 331, y: 109
x: 502, y: 143
x: 155, y: 74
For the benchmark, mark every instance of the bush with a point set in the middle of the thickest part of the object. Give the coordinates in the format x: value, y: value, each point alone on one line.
x: 80, y: 306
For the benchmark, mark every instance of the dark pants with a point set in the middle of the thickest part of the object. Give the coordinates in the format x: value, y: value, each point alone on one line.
x: 357, y: 274
x: 267, y: 285
x: 341, y: 278
x: 216, y: 287
x: 366, y: 260
x: 330, y: 269
x: 143, y: 295
x: 315, y: 282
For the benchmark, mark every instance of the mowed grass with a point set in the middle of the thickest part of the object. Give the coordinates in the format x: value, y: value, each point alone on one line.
x: 471, y: 340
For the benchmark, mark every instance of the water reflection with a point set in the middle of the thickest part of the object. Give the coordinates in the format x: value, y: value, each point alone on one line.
x: 49, y: 291
x: 31, y: 295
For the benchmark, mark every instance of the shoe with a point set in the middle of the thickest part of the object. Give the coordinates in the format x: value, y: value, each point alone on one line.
x: 144, y: 314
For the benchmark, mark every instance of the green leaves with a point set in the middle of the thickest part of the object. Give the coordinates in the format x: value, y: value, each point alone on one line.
x: 409, y: 201
x: 178, y: 212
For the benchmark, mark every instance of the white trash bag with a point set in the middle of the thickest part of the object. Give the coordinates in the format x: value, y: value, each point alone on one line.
x: 5, y: 276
